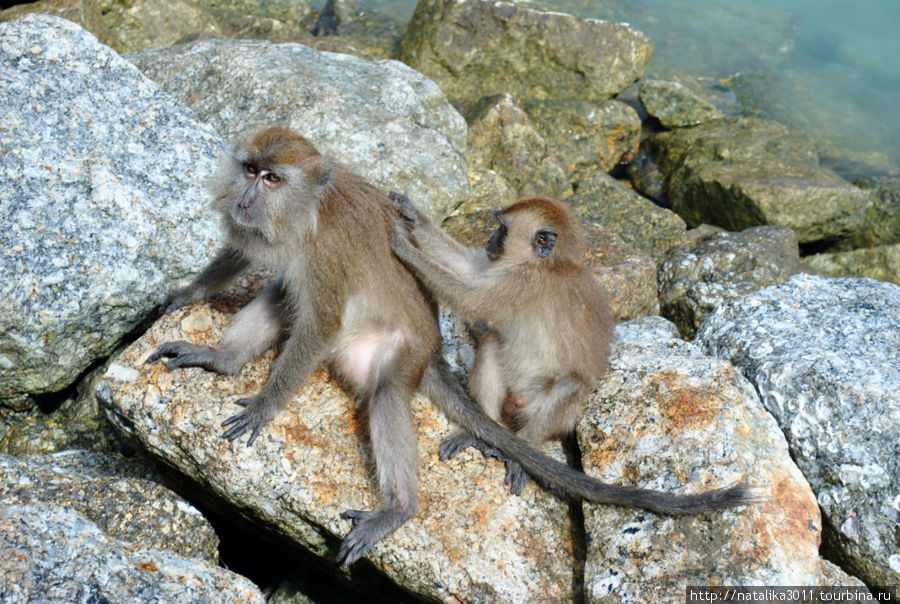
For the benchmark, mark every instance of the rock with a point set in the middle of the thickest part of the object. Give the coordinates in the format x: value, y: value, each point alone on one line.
x: 86, y: 13
x: 824, y: 355
x: 103, y: 206
x: 587, y: 135
x: 639, y: 222
x: 473, y: 48
x: 145, y: 24
x: 46, y: 547
x: 697, y: 277
x: 382, y: 119
x: 114, y: 494
x: 669, y: 417
x: 628, y: 275
x: 687, y: 101
x: 503, y: 139
x: 880, y: 262
x: 883, y: 217
x: 311, y: 462
x: 742, y: 172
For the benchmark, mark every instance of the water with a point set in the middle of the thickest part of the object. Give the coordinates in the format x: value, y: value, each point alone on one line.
x: 828, y: 67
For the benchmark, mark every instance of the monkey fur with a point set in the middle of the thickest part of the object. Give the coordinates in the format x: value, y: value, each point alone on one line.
x: 344, y: 300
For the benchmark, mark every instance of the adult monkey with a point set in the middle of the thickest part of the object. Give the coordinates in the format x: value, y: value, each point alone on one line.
x: 346, y: 301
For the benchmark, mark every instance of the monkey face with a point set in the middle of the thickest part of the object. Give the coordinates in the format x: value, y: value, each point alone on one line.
x: 495, y: 243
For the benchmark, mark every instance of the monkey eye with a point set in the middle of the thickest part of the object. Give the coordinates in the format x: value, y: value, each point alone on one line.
x: 543, y: 242
x: 272, y: 177
x: 250, y: 171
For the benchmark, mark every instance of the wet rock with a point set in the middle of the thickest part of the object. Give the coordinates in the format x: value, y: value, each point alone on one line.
x: 103, y: 205
x: 503, y: 139
x: 697, y: 277
x: 474, y: 48
x: 46, y: 546
x: 120, y: 497
x: 638, y: 221
x: 311, y: 462
x: 382, y: 119
x: 742, y: 172
x: 883, y: 217
x: 669, y: 417
x: 587, y: 135
x: 880, y: 262
x: 687, y: 101
x: 824, y: 355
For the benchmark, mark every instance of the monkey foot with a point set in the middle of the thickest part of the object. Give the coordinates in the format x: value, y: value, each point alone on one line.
x: 253, y: 417
x: 516, y: 477
x: 369, y: 527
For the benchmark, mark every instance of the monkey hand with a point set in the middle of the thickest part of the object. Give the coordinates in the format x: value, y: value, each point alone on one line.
x: 402, y: 243
x: 408, y: 212
x: 255, y: 415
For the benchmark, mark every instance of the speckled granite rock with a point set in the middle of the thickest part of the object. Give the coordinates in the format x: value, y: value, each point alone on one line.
x: 474, y: 48
x: 311, y: 463
x: 101, y: 200
x: 683, y: 102
x: 113, y: 494
x: 51, y: 553
x: 881, y: 262
x: 381, y: 118
x: 669, y: 417
x: 824, y: 355
x: 694, y: 278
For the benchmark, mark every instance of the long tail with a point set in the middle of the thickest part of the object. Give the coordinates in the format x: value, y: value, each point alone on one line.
x: 447, y: 393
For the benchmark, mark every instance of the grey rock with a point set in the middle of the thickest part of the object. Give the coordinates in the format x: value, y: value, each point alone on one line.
x: 742, y: 172
x: 695, y: 278
x: 669, y: 417
x: 382, y: 119
x: 474, y: 48
x: 52, y: 553
x: 102, y: 203
x: 824, y: 355
x: 113, y: 494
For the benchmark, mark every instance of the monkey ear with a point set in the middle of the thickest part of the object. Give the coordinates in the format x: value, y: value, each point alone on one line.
x: 543, y: 242
x: 321, y: 175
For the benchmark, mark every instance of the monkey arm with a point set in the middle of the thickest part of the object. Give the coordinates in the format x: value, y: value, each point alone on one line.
x: 451, y: 278
x: 217, y: 274
x: 292, y: 368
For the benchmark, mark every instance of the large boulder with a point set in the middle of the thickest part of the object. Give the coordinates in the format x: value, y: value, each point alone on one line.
x: 102, y: 202
x: 382, y: 119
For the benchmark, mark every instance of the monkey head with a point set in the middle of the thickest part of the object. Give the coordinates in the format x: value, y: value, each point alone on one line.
x: 536, y: 231
x: 270, y: 182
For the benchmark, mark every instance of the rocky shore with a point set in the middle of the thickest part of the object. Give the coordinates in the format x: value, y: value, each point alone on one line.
x: 756, y: 291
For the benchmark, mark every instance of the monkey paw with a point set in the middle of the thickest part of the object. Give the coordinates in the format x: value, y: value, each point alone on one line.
x: 369, y: 527
x: 407, y: 210
x: 459, y: 440
x: 253, y: 417
x: 516, y: 477
x: 184, y: 354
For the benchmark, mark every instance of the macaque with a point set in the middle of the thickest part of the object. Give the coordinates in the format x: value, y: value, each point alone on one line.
x: 343, y: 300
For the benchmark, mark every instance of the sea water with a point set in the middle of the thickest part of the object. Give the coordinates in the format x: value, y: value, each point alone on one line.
x: 830, y: 68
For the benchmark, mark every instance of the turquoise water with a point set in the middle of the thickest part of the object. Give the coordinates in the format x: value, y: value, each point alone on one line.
x: 828, y: 67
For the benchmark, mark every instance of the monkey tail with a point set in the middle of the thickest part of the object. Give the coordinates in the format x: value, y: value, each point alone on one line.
x: 444, y: 390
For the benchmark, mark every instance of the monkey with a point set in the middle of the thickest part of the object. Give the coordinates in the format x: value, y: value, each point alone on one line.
x: 343, y: 300
x: 543, y: 324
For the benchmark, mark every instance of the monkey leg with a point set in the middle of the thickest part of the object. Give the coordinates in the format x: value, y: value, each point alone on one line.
x: 393, y: 438
x: 251, y: 331
x: 217, y: 274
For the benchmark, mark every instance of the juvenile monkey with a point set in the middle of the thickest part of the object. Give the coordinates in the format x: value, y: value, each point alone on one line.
x: 344, y: 300
x: 542, y: 322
